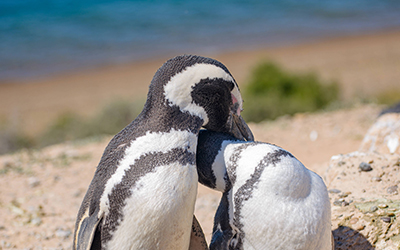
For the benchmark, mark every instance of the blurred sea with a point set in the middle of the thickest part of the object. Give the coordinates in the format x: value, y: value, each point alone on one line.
x: 41, y: 37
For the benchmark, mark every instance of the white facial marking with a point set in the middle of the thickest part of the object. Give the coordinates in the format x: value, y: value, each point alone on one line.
x: 151, y: 142
x: 178, y: 89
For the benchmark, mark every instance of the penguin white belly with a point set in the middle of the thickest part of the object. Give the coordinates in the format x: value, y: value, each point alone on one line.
x: 147, y: 216
x: 290, y: 214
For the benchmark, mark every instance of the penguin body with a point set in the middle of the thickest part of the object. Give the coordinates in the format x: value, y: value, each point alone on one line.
x: 270, y: 200
x: 143, y: 191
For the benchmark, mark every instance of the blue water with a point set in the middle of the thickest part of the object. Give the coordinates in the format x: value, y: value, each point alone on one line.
x: 39, y: 37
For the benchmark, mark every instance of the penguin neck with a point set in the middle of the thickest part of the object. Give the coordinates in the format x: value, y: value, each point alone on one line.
x: 165, y: 118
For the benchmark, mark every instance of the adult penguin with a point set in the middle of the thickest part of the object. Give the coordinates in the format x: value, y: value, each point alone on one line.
x: 270, y: 199
x: 143, y: 191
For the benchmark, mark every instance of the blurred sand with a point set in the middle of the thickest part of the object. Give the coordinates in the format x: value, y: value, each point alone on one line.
x: 362, y: 64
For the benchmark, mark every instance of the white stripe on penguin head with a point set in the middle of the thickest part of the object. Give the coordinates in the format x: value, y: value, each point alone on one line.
x: 177, y: 90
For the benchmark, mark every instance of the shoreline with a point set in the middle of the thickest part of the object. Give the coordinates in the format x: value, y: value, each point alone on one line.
x: 363, y: 65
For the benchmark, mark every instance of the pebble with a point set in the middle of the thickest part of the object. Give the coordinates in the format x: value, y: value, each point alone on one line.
x: 61, y: 233
x: 373, y: 208
x: 359, y: 227
x: 77, y: 193
x: 334, y: 191
x: 33, y: 182
x: 340, y: 202
x: 365, y: 167
x: 392, y: 189
x: 390, y: 214
x: 386, y: 219
x: 36, y: 221
x: 5, y: 244
x: 381, y: 212
x: 376, y: 179
x: 343, y: 195
x: 353, y: 220
x: 313, y: 135
x: 382, y: 205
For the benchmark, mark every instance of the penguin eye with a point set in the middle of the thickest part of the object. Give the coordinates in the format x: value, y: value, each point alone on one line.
x: 231, y: 85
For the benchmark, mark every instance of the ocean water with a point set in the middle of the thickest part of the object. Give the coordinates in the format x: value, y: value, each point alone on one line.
x: 41, y: 37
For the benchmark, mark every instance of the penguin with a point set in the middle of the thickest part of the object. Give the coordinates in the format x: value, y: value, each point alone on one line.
x: 270, y: 199
x: 144, y: 188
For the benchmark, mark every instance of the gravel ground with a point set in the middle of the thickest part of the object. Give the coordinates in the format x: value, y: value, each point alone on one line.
x: 41, y: 191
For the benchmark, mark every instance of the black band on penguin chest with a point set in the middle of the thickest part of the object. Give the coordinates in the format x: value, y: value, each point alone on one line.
x: 146, y: 164
x: 115, y: 151
x: 245, y: 192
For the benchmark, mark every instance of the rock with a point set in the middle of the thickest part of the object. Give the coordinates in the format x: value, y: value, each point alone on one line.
x: 334, y: 191
x: 384, y: 135
x: 392, y: 190
x: 354, y: 220
x: 360, y: 227
x: 341, y: 202
x: 382, y: 205
x: 365, y: 167
x: 36, y: 221
x: 61, y: 233
x: 386, y: 219
x: 373, y: 208
x: 313, y: 135
x: 33, y: 182
x: 375, y: 178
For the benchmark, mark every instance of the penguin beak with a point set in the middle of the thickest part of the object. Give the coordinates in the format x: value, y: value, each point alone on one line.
x: 238, y: 127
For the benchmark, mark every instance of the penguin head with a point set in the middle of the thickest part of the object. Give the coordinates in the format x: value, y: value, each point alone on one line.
x: 202, y: 87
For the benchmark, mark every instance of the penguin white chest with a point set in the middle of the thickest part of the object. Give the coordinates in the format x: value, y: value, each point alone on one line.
x: 293, y: 216
x: 159, y: 210
x: 159, y: 213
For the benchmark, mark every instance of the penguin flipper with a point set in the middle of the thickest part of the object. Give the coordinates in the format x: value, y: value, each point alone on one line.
x: 197, y: 239
x: 88, y: 234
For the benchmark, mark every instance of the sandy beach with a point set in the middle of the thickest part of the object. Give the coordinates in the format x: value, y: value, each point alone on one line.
x: 363, y: 65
